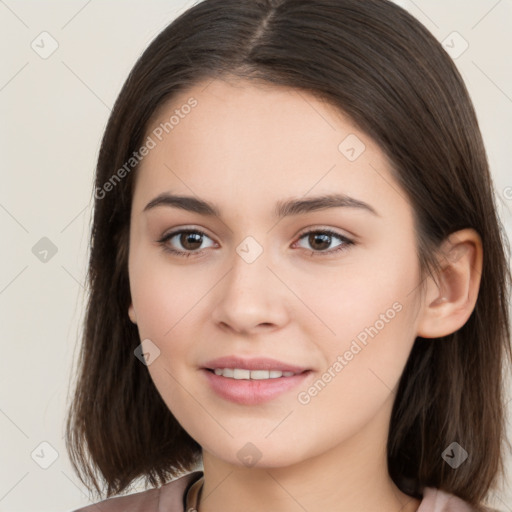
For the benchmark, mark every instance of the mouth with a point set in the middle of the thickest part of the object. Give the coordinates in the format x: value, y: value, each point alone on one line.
x: 252, y: 381
x: 254, y: 364
x: 245, y: 374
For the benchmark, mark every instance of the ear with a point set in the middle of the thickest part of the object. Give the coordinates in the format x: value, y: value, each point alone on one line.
x: 448, y: 304
x: 131, y: 313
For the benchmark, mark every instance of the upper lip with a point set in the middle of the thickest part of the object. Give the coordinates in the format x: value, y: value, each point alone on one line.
x: 256, y: 363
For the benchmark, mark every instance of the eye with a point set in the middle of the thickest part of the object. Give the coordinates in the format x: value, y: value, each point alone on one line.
x: 321, y: 239
x: 189, y: 239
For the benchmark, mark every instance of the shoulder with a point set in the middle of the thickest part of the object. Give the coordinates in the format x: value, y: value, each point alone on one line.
x: 168, y: 498
x: 435, y: 500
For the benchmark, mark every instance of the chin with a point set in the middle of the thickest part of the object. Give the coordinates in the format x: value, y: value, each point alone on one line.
x: 256, y: 454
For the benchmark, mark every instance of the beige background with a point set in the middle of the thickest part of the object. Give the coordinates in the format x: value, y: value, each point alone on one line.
x: 53, y: 112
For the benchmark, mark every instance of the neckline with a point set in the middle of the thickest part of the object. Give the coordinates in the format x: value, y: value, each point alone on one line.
x: 193, y: 495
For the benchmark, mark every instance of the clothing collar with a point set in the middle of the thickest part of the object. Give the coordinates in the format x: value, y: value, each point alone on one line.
x: 193, y: 495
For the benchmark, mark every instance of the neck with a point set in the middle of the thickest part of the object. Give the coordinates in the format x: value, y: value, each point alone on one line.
x: 349, y: 477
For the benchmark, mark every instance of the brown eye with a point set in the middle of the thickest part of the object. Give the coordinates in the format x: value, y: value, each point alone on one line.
x: 188, y: 242
x: 320, y: 240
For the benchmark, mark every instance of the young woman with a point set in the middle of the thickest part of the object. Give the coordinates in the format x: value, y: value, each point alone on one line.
x: 298, y: 281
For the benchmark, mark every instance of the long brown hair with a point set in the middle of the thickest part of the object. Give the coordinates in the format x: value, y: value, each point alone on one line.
x: 377, y: 64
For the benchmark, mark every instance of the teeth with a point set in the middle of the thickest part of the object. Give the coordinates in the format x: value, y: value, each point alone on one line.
x: 241, y: 374
x: 238, y: 373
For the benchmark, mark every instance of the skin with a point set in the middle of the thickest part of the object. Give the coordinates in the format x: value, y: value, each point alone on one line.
x: 244, y: 147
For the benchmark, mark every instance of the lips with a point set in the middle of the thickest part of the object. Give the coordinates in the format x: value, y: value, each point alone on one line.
x: 250, y: 391
x: 259, y: 363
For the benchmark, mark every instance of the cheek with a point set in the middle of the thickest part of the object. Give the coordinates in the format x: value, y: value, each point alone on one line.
x: 165, y: 303
x: 367, y: 330
x: 364, y: 294
x: 363, y: 363
x: 162, y: 293
x: 167, y: 299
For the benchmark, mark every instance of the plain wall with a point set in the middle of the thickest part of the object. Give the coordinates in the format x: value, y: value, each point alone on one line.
x: 53, y: 113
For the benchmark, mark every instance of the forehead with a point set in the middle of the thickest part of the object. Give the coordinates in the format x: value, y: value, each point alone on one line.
x: 256, y: 143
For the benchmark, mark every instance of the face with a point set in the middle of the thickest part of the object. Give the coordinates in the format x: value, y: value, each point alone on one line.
x: 326, y: 291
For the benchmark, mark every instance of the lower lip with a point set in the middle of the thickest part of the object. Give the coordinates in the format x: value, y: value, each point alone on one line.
x: 252, y: 392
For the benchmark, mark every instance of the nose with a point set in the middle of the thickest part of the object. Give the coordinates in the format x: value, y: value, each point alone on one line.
x: 251, y: 298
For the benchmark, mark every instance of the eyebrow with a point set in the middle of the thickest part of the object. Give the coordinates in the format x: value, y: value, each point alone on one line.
x: 283, y: 208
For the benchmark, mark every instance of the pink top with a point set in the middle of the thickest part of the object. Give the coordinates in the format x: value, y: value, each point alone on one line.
x: 180, y: 495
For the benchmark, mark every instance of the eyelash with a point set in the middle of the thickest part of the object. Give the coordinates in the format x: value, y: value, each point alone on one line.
x: 186, y: 254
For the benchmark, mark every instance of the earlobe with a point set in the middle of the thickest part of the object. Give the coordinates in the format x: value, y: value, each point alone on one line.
x: 449, y: 303
x: 131, y: 314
